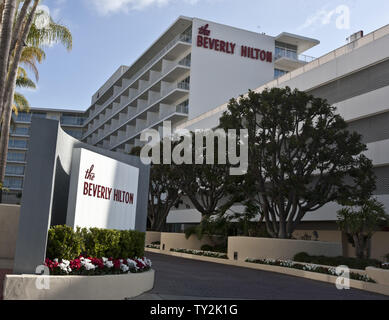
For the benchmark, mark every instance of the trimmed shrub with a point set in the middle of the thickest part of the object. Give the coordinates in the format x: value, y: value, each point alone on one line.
x: 206, y: 247
x: 65, y: 243
x: 131, y: 244
x: 353, y: 263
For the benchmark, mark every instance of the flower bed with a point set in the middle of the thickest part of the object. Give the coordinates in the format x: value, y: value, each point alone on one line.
x: 308, y: 267
x: 201, y: 253
x: 93, y: 266
x: 352, y: 263
x: 153, y: 246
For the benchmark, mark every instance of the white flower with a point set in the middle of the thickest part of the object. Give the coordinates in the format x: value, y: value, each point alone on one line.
x: 109, y: 264
x: 89, y: 266
x: 124, y: 268
x: 132, y: 263
x: 64, y: 266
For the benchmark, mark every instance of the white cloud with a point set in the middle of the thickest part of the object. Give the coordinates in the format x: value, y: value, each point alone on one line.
x: 105, y: 7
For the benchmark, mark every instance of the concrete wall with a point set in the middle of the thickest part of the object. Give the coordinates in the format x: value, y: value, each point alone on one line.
x: 179, y: 241
x: 9, y: 224
x: 109, y: 287
x: 262, y: 248
x: 152, y: 236
x: 379, y: 245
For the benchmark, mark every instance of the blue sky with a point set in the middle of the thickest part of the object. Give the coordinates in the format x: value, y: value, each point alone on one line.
x: 109, y: 33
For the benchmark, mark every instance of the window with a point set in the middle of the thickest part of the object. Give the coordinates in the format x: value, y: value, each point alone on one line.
x: 22, y: 131
x: 186, y: 61
x: 186, y: 36
x: 19, y: 144
x: 184, y: 84
x: 279, y: 73
x: 14, y: 170
x: 22, y: 117
x: 13, y: 183
x: 77, y: 134
x: 183, y: 107
x: 286, y: 50
x: 72, y: 120
x: 16, y: 156
x: 39, y: 115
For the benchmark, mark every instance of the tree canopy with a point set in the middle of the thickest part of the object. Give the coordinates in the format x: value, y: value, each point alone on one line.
x: 301, y: 156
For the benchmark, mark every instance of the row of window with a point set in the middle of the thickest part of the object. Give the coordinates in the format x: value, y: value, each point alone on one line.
x: 75, y: 120
x: 22, y: 131
x: 77, y: 134
x: 16, y: 156
x: 19, y: 144
x: 13, y: 183
x: 12, y: 169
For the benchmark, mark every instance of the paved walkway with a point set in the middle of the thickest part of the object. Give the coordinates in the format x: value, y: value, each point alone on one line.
x: 184, y: 279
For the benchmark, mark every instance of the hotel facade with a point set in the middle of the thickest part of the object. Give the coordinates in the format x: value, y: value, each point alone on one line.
x: 189, y: 74
x: 193, y: 67
x: 72, y: 122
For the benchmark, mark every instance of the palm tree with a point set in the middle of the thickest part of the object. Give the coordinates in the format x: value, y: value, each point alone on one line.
x: 27, y: 42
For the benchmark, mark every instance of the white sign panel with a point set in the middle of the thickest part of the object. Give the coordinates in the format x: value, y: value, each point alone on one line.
x: 106, y: 192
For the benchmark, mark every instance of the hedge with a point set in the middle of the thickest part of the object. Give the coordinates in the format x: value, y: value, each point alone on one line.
x: 65, y: 243
x: 353, y: 263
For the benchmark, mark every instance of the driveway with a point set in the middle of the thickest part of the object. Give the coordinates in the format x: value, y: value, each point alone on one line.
x: 184, y: 279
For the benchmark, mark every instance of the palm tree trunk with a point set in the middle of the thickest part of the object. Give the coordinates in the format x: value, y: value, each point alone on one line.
x: 5, y: 45
x: 9, y: 93
x: 19, y: 23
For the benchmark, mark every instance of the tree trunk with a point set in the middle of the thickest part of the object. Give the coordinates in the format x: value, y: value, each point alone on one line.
x: 10, y: 90
x: 5, y: 45
x: 282, y: 229
x: 362, y: 246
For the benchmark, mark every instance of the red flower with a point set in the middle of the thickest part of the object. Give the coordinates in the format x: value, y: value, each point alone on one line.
x: 116, y: 264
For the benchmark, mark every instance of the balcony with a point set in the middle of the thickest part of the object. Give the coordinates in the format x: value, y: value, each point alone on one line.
x: 290, y: 60
x: 175, y: 113
x: 172, y: 72
x: 182, y: 38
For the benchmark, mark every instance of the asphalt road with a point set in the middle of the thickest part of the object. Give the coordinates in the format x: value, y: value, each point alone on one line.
x: 184, y: 279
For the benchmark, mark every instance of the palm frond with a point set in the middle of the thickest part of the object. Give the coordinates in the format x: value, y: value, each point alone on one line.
x: 54, y: 33
x: 22, y: 73
x: 30, y: 56
x: 20, y: 104
x: 25, y: 82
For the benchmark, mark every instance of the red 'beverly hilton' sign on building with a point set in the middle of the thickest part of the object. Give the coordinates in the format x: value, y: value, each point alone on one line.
x: 205, y: 41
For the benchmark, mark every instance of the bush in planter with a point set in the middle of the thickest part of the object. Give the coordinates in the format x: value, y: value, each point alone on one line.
x: 218, y: 248
x: 100, y: 243
x: 131, y: 244
x: 206, y: 247
x: 63, y: 242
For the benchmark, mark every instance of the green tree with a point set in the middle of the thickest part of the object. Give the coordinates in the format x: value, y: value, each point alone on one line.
x: 164, y: 192
x: 360, y: 222
x: 211, y: 188
x: 301, y: 156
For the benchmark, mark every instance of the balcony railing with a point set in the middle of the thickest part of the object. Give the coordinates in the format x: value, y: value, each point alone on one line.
x: 290, y: 54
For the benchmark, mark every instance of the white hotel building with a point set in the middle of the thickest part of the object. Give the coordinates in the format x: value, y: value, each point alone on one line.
x: 193, y: 67
x: 189, y: 74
